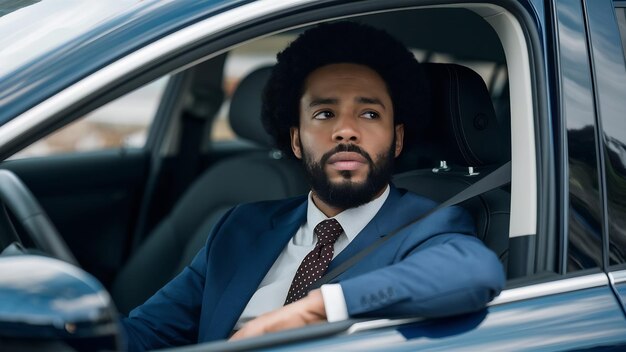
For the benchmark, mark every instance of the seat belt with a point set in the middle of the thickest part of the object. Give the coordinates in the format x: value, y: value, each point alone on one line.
x: 499, y: 177
x: 193, y: 127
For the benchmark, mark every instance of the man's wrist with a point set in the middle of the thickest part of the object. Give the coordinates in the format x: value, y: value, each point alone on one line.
x: 315, y: 305
x: 334, y: 302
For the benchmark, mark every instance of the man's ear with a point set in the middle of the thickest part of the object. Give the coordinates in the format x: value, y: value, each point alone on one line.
x: 294, y: 133
x: 399, y: 138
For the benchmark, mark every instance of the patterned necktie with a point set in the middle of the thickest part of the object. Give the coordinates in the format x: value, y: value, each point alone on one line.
x: 315, y: 263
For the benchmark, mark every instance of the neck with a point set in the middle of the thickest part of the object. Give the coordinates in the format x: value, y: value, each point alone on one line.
x: 330, y: 210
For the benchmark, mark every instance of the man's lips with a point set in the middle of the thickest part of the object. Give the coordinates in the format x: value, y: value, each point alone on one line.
x: 348, y: 161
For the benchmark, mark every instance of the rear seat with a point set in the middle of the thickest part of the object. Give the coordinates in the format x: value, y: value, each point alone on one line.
x: 179, y: 236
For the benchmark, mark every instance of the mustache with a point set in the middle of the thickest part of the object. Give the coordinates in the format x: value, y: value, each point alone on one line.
x: 346, y: 148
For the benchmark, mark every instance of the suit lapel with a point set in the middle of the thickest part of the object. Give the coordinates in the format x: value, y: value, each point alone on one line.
x: 383, y: 223
x: 255, y: 263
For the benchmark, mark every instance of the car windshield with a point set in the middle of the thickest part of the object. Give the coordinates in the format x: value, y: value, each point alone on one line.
x: 32, y: 27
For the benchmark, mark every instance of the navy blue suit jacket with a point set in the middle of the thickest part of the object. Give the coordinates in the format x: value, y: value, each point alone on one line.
x: 436, y: 267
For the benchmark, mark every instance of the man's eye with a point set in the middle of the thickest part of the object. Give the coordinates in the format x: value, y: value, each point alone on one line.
x: 323, y: 115
x: 370, y: 115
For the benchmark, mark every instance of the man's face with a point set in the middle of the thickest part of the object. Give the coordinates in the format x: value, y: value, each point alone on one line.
x: 346, y: 138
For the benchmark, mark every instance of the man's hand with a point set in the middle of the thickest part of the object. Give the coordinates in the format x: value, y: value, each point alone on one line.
x: 308, y: 310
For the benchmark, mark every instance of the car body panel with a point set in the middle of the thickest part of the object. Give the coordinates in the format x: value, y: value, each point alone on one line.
x: 31, y: 28
x: 618, y: 280
x: 583, y: 318
x: 137, y: 27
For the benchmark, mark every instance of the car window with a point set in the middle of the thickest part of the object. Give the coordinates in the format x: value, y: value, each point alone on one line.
x: 485, y: 56
x: 612, y: 94
x: 239, y: 63
x: 122, y: 123
x: 584, y: 229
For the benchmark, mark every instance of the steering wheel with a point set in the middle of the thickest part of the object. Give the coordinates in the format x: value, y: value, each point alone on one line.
x: 19, y: 200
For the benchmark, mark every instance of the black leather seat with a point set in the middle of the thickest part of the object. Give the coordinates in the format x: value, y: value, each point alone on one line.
x: 464, y: 133
x: 255, y: 176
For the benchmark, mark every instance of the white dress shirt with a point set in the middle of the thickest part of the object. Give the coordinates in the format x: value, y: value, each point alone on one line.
x: 273, y: 290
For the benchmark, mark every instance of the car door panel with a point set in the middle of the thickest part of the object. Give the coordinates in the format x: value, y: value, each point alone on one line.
x: 585, y: 318
x: 573, y: 320
x: 92, y: 198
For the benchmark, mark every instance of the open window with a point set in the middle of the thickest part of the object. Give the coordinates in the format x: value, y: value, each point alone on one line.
x: 485, y: 39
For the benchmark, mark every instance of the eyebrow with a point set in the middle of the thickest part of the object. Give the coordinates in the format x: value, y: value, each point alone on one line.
x: 371, y: 101
x: 334, y: 101
x: 323, y: 101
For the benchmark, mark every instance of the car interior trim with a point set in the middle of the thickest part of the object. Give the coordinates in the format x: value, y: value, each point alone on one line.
x: 524, y: 172
x: 551, y: 288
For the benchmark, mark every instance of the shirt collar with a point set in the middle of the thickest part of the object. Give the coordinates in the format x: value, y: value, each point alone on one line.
x: 352, y: 220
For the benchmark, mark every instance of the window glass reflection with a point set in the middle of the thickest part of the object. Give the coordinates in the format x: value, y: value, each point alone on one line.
x: 615, y: 149
x: 610, y: 73
x: 584, y: 239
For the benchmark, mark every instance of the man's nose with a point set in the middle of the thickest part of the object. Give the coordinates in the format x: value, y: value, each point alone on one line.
x: 346, y: 130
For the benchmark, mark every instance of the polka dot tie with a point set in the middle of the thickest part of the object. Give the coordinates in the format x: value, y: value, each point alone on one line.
x: 315, y: 263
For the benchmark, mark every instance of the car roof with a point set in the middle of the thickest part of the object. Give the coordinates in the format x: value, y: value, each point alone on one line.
x: 31, y: 28
x: 55, y: 52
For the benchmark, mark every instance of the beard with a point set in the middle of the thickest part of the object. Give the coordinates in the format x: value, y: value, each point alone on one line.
x: 347, y: 193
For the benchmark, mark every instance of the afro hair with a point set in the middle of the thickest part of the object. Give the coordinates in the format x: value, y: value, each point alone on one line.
x: 343, y: 42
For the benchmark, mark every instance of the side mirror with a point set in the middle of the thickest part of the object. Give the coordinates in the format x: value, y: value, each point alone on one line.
x: 48, y: 304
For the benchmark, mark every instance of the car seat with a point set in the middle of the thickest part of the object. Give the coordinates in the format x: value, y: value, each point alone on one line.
x: 254, y: 176
x: 465, y: 143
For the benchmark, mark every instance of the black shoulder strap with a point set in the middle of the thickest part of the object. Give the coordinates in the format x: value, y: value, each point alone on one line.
x: 495, y: 179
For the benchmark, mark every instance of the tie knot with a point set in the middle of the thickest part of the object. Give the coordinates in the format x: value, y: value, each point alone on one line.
x: 328, y: 231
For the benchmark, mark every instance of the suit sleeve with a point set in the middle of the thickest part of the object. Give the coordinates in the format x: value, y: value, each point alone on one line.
x: 449, y: 273
x: 171, y: 316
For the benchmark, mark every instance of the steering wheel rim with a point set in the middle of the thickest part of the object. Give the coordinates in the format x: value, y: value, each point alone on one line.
x: 17, y: 198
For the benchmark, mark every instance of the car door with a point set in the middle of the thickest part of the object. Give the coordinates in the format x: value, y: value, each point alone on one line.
x: 607, y: 32
x: 90, y: 176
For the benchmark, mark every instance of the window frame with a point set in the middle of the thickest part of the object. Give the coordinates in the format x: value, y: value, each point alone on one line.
x: 208, y: 38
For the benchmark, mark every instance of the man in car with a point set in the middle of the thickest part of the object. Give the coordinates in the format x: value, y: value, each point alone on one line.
x: 342, y: 98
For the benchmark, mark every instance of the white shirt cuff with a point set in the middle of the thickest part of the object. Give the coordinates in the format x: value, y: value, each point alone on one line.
x: 334, y: 303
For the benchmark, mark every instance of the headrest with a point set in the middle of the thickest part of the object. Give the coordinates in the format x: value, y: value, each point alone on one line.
x: 245, y: 107
x: 465, y: 128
